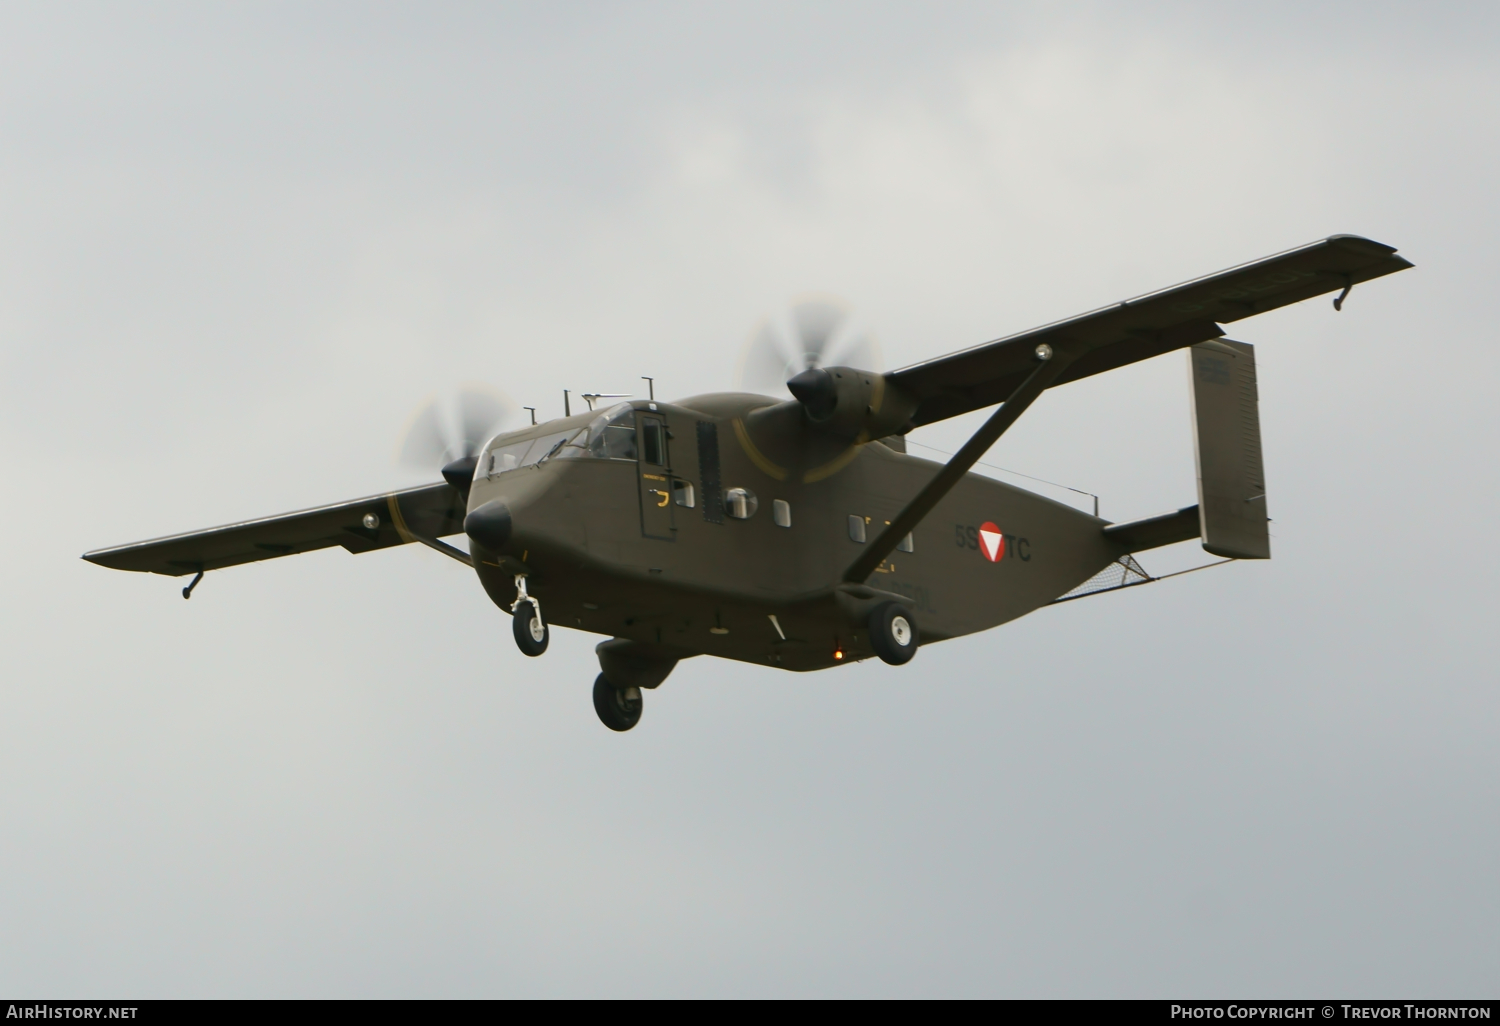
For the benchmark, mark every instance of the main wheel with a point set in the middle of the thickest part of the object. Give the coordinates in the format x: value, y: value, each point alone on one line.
x: 619, y: 710
x: 530, y: 629
x: 893, y: 633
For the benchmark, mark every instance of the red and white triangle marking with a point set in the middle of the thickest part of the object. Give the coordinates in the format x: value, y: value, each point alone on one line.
x: 991, y: 541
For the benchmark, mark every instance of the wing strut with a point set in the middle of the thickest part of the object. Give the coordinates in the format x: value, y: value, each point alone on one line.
x: 1049, y: 365
x: 407, y: 534
x: 451, y: 551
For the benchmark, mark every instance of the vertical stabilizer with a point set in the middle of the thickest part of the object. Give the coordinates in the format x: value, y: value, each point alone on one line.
x: 1226, y: 438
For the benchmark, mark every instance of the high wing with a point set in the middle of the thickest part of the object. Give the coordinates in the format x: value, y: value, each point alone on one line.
x: 414, y: 514
x: 1147, y: 326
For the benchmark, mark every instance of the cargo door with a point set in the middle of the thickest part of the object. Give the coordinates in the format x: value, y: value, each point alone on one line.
x: 655, y: 476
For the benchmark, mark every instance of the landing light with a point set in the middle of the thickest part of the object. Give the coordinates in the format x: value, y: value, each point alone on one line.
x: 838, y: 653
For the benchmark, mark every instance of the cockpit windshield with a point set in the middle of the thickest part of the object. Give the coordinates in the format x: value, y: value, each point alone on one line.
x: 609, y: 436
x: 525, y: 453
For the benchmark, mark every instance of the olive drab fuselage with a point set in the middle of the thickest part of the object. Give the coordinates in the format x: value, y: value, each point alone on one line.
x: 648, y: 549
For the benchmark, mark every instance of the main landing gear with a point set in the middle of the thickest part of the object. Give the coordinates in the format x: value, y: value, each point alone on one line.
x: 618, y: 708
x: 526, y: 621
x: 626, y: 669
x: 893, y: 633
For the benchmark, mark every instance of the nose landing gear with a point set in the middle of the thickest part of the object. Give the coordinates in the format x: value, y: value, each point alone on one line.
x: 618, y: 708
x: 526, y: 623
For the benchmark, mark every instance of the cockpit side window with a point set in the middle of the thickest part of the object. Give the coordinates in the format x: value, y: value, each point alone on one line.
x: 611, y: 436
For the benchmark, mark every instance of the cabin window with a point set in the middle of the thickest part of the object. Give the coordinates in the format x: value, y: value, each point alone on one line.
x: 740, y: 503
x: 653, y: 445
x: 682, y: 493
x: 781, y: 512
x: 906, y: 545
x: 856, y: 529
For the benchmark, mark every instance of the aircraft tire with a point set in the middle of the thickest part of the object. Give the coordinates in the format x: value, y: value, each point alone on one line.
x: 893, y: 633
x: 617, y: 709
x: 531, y: 631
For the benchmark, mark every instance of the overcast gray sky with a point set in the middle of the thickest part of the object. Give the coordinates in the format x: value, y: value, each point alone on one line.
x: 238, y: 246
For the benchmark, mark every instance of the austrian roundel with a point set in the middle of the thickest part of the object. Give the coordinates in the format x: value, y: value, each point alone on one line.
x: 991, y: 541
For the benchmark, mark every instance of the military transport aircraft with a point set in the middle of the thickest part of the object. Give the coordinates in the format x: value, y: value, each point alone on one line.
x: 799, y: 534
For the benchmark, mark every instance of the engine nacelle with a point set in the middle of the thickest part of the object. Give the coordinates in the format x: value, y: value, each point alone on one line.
x: 854, y: 404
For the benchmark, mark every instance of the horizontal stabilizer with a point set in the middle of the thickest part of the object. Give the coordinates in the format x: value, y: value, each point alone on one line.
x: 1154, y: 532
x: 360, y: 525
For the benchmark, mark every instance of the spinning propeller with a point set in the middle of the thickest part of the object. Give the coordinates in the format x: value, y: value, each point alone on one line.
x: 451, y: 428
x: 816, y: 333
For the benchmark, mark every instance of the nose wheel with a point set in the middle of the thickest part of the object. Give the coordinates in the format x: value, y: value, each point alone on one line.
x: 526, y: 622
x: 618, y: 708
x: 530, y: 629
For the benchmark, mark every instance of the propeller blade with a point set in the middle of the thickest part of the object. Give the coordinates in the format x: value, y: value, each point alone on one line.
x: 446, y: 428
x: 480, y: 414
x: 817, y: 333
x: 763, y: 367
x: 861, y: 351
x: 817, y: 322
x: 425, y: 439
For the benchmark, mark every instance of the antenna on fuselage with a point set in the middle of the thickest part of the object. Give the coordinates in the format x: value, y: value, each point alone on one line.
x: 589, y: 397
x: 650, y: 387
x: 532, y: 411
x: 567, y: 410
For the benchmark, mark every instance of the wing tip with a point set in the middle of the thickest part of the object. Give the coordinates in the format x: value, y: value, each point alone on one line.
x: 107, y: 558
x: 119, y: 559
x: 1361, y: 244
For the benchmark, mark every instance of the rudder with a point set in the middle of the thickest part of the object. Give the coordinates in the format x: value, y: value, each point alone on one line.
x: 1226, y: 441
